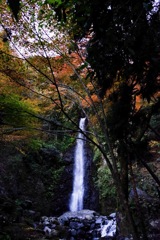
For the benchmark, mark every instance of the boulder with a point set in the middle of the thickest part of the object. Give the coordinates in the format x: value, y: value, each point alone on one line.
x: 84, y: 224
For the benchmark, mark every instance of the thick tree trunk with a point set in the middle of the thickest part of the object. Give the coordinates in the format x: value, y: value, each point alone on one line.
x: 138, y: 206
x: 125, y: 222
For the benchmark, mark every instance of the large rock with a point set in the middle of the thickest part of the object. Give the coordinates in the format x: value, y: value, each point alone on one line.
x: 83, y: 214
x: 85, y: 224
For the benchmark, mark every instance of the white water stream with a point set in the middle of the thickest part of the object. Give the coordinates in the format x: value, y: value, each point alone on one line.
x: 76, y: 203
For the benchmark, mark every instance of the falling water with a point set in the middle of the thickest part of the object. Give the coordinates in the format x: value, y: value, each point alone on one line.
x: 76, y: 202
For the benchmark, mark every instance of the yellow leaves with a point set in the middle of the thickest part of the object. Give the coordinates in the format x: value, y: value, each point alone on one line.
x: 33, y: 102
x: 1, y: 43
x: 90, y: 86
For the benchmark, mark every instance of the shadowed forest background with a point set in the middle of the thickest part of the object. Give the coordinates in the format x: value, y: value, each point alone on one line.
x: 61, y: 60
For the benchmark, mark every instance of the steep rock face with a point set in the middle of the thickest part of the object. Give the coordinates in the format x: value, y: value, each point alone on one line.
x: 64, y: 189
x: 43, y: 177
x: 91, y: 197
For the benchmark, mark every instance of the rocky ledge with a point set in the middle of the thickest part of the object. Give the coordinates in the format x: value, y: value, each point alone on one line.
x: 85, y: 224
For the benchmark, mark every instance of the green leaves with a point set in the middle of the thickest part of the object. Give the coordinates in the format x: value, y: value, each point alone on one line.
x: 14, y: 111
x: 58, y: 2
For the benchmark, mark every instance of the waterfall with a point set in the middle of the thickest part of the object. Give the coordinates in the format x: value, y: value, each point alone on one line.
x: 76, y: 202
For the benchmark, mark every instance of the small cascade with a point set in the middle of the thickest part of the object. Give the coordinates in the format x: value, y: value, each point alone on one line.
x: 76, y: 203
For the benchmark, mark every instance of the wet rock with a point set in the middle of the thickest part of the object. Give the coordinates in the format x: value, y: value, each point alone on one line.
x: 76, y: 225
x: 83, y: 214
x: 85, y: 224
x: 54, y: 233
x: 155, y: 224
x: 47, y: 231
x: 73, y: 232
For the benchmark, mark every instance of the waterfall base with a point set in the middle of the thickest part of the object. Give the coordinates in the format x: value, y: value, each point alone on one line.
x: 85, y: 224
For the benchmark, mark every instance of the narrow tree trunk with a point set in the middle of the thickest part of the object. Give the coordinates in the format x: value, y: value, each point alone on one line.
x: 123, y: 159
x: 124, y: 176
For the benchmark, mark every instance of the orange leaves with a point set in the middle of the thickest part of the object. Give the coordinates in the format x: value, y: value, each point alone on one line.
x: 89, y: 101
x: 64, y: 66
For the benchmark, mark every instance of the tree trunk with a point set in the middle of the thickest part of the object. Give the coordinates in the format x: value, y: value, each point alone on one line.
x: 123, y: 159
x: 138, y: 206
x: 125, y: 222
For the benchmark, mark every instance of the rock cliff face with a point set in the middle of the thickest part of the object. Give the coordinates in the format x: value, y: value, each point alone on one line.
x: 64, y: 189
x: 45, y: 178
x: 91, y: 197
